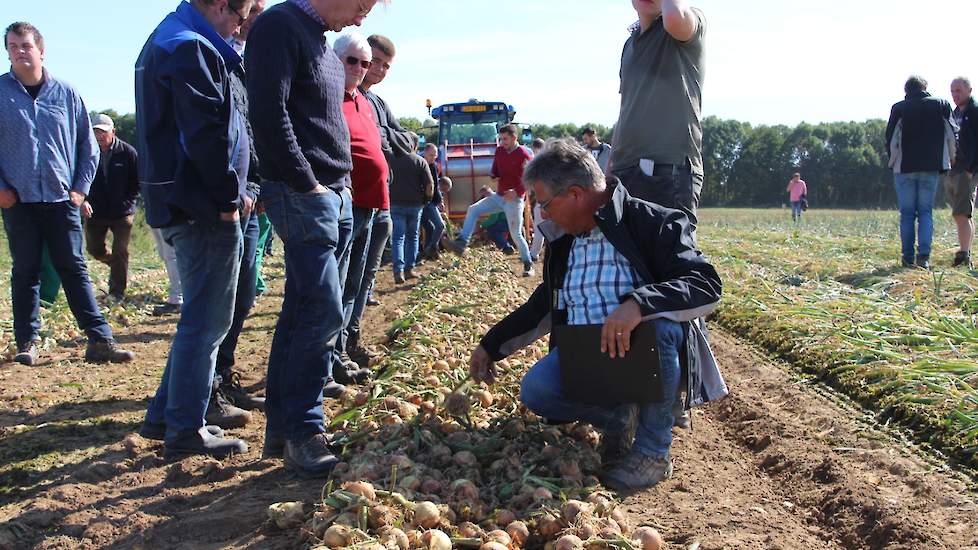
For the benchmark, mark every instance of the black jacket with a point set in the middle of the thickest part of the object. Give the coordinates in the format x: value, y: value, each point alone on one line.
x: 116, y: 184
x: 967, y: 157
x: 923, y: 144
x: 412, y: 181
x: 657, y: 241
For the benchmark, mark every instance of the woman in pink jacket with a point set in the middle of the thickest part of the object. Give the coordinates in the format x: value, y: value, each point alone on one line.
x: 796, y: 191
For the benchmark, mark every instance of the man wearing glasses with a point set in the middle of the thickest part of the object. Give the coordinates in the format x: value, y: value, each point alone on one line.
x: 296, y: 88
x: 194, y: 154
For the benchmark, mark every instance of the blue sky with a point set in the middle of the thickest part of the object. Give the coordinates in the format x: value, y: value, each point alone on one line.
x: 768, y: 61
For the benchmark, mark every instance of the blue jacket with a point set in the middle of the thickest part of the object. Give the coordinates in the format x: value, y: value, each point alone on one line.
x: 187, y: 127
x: 923, y: 145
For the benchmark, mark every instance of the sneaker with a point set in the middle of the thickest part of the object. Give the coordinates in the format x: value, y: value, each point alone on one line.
x: 107, y: 352
x: 152, y: 430
x: 166, y: 309
x: 409, y: 274
x: 680, y: 416
x: 371, y: 301
x: 962, y: 258
x: 231, y: 388
x: 398, y: 278
x: 616, y: 444
x: 509, y: 251
x: 637, y: 471
x: 456, y: 246
x: 310, y: 457
x: 27, y: 353
x: 528, y: 270
x: 923, y: 262
x: 332, y: 389
x: 202, y: 442
x: 220, y: 412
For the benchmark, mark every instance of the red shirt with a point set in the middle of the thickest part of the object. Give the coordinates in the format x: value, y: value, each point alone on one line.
x: 370, y: 170
x: 508, y: 167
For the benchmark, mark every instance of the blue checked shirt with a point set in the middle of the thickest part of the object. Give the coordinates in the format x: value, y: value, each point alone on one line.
x: 46, y: 145
x: 597, y: 275
x: 305, y: 6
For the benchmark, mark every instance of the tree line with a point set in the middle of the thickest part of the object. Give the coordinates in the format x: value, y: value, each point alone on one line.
x: 844, y: 163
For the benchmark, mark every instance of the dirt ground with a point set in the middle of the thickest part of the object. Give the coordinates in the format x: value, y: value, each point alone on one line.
x: 782, y: 463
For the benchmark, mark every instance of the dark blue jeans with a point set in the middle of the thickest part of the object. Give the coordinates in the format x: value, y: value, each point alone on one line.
x: 915, y: 193
x: 315, y: 232
x: 404, y: 241
x: 244, y: 298
x: 58, y: 225
x: 208, y: 259
x: 541, y: 392
x: 380, y: 232
x: 363, y: 220
x: 434, y: 226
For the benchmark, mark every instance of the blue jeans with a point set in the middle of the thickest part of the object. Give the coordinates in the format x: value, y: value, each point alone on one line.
x: 244, y: 297
x: 363, y: 220
x: 915, y: 196
x: 29, y: 227
x: 311, y: 227
x: 541, y: 393
x: 379, y: 233
x: 434, y: 225
x: 498, y: 233
x: 514, y: 217
x: 795, y: 210
x: 404, y: 240
x: 208, y: 259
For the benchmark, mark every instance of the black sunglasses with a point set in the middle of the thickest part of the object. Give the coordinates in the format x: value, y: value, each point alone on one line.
x: 350, y: 60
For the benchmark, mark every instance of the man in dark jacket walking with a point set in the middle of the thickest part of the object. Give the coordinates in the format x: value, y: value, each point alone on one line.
x: 111, y: 203
x: 921, y: 142
x: 960, y: 182
x: 194, y: 156
x: 648, y: 270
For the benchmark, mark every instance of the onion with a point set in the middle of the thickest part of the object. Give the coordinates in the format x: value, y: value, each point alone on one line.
x: 436, y: 540
x: 414, y: 538
x: 648, y: 538
x: 426, y: 514
x: 600, y: 503
x: 469, y: 530
x: 465, y: 458
x: 286, y: 515
x: 411, y: 483
x: 393, y: 535
x: 493, y: 545
x: 337, y: 536
x: 441, y: 366
x: 430, y: 486
x: 571, y: 509
x: 500, y: 536
x: 402, y: 462
x: 380, y: 516
x: 457, y: 404
x: 569, y: 542
x: 361, y: 399
x: 607, y: 528
x: 464, y: 489
x: 542, y: 493
x: 505, y: 517
x: 548, y: 525
x: 621, y: 519
x: 362, y: 488
x: 518, y: 532
x: 484, y: 397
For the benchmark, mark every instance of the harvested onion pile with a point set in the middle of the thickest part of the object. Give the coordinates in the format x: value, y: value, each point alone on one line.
x: 433, y: 460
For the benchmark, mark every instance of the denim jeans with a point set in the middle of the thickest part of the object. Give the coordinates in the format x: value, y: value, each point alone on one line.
x: 404, y: 239
x: 363, y: 220
x: 795, y: 210
x: 498, y: 233
x: 434, y: 226
x: 29, y: 227
x: 541, y: 393
x: 379, y: 234
x: 915, y: 196
x: 514, y: 217
x: 169, y: 258
x: 537, y: 245
x: 208, y: 258
x: 310, y: 227
x: 244, y: 296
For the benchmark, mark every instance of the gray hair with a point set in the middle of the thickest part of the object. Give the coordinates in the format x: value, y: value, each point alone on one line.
x: 915, y: 83
x: 561, y: 165
x: 963, y: 80
x: 352, y: 42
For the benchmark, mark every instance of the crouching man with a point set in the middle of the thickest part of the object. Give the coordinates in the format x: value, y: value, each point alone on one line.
x: 614, y: 261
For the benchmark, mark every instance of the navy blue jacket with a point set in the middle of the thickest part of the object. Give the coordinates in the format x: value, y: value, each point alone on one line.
x: 967, y: 157
x: 187, y: 127
x: 924, y: 119
x: 116, y: 184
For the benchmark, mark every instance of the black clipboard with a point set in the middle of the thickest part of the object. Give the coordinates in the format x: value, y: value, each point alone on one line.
x: 589, y: 376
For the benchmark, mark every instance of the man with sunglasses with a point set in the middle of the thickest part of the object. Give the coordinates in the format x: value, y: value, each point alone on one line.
x: 296, y: 88
x: 194, y: 156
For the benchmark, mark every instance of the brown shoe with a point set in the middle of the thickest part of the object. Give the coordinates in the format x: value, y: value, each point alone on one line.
x: 107, y: 352
x: 637, y: 471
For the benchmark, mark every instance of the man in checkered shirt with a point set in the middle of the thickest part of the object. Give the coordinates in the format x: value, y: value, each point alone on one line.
x: 615, y: 261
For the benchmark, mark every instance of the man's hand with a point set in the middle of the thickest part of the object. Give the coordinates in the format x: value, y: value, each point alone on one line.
x: 230, y: 216
x: 76, y: 198
x: 481, y: 367
x: 616, y: 333
x: 86, y: 210
x: 247, y: 204
x: 510, y: 196
x: 8, y: 198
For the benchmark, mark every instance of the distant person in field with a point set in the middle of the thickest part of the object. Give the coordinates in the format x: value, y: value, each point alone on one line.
x: 48, y: 159
x: 960, y: 182
x: 194, y: 154
x: 431, y: 220
x: 111, y: 204
x: 797, y: 189
x: 411, y: 188
x: 921, y: 144
x: 601, y: 151
x: 536, y: 245
x: 616, y: 262
x: 507, y: 172
x: 662, y: 67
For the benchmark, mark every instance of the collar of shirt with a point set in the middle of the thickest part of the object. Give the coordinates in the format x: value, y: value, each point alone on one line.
x: 189, y: 15
x: 305, y: 6
x: 44, y: 80
x: 352, y: 95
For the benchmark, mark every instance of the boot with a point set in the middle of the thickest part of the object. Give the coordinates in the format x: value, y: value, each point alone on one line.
x: 362, y: 355
x: 27, y: 353
x: 409, y: 274
x: 398, y: 278
x: 157, y: 432
x: 310, y: 457
x: 456, y: 246
x: 231, y: 388
x: 332, y: 389
x: 220, y: 412
x: 106, y: 352
x: 201, y: 442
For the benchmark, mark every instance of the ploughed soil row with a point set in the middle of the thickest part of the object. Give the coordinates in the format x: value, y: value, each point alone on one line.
x: 780, y: 463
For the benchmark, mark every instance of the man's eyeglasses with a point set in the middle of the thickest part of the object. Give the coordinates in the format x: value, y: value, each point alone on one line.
x: 241, y: 18
x: 363, y: 11
x: 545, y: 205
x: 350, y: 60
